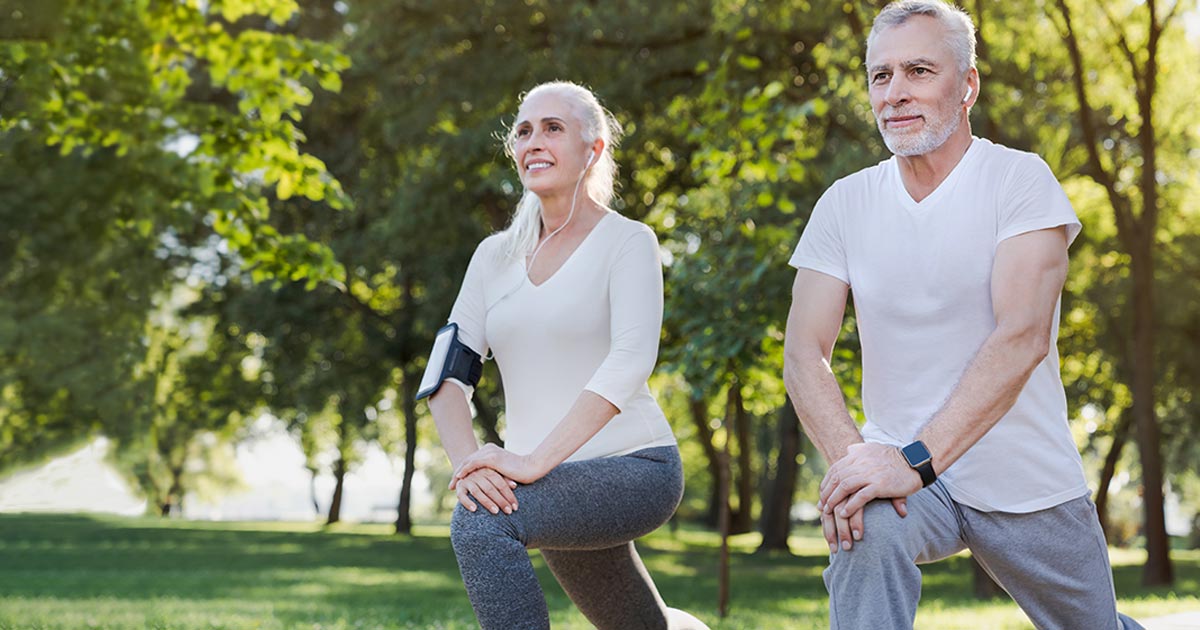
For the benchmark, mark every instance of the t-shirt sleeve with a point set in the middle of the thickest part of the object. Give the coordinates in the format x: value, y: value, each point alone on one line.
x: 635, y: 290
x: 1036, y: 201
x: 470, y: 310
x: 821, y: 246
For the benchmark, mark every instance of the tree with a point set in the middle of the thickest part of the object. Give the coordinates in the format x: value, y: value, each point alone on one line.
x: 197, y: 104
x: 1136, y: 182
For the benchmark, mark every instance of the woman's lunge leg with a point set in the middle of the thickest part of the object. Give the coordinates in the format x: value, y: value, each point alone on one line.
x: 496, y: 571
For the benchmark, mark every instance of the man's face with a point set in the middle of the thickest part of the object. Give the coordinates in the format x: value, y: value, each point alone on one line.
x: 916, y: 88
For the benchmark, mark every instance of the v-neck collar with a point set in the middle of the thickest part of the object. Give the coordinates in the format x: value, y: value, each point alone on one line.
x: 571, y: 256
x: 943, y: 188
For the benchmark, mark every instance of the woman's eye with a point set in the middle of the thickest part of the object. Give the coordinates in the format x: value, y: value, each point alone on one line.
x: 521, y: 133
x: 555, y: 127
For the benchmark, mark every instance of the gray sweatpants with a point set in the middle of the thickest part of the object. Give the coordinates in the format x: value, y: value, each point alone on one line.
x: 583, y: 516
x: 1053, y: 562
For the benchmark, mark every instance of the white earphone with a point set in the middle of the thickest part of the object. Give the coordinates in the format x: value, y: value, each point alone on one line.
x: 591, y: 156
x: 968, y: 96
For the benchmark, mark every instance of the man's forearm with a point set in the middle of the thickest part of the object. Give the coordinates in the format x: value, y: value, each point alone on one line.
x: 988, y: 389
x: 818, y: 401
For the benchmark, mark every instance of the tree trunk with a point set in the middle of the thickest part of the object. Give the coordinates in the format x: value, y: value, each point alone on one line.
x: 704, y: 433
x: 985, y: 586
x: 335, y: 505
x: 1158, y: 570
x: 776, y: 522
x: 173, y: 502
x: 1120, y: 435
x: 723, y: 524
x: 743, y: 518
x: 403, y: 517
x: 312, y: 489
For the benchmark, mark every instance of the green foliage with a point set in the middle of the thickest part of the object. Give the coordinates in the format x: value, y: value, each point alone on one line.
x: 136, y: 138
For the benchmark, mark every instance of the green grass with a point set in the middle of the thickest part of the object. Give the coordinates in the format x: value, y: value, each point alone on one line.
x: 79, y: 572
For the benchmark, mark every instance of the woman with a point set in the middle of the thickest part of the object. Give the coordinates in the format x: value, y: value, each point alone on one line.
x: 569, y: 301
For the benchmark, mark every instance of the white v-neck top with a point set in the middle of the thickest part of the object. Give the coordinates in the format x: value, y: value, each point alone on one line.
x: 594, y: 325
x: 920, y: 275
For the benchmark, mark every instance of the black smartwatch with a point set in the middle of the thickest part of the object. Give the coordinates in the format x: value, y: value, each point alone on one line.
x: 920, y: 460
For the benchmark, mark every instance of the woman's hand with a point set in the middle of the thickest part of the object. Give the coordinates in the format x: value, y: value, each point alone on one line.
x: 519, y: 468
x: 487, y: 487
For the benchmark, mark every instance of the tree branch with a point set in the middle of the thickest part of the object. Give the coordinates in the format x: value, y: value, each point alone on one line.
x: 1124, y: 45
x: 1120, y: 203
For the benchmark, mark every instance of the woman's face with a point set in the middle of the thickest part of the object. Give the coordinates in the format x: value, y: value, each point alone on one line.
x: 548, y: 145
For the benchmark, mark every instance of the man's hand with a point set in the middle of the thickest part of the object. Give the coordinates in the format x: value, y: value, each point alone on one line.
x: 868, y: 471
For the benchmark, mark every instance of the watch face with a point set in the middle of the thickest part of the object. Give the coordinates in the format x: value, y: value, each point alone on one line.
x: 916, y: 453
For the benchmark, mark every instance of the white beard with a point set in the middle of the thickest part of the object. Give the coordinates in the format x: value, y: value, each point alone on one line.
x: 934, y: 133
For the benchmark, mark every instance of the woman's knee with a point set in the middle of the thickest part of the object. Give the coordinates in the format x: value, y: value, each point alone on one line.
x: 469, y: 529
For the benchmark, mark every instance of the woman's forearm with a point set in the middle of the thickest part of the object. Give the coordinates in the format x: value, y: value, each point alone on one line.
x: 452, y: 416
x: 587, y: 416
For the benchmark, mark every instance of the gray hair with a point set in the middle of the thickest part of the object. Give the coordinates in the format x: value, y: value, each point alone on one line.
x: 957, y: 23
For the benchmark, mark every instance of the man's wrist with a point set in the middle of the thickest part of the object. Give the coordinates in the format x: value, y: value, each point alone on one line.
x: 918, y: 457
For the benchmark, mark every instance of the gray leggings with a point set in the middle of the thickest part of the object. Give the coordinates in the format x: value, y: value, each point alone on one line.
x: 583, y: 516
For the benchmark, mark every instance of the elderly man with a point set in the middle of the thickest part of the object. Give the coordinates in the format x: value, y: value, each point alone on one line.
x: 955, y: 250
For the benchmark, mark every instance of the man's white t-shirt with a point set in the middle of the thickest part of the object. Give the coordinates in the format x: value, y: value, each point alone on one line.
x: 594, y: 325
x: 920, y: 277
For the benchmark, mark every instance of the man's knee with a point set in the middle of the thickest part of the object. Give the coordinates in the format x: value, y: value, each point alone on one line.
x: 883, y: 534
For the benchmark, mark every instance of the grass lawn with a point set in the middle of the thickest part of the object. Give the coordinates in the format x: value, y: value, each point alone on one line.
x: 78, y: 572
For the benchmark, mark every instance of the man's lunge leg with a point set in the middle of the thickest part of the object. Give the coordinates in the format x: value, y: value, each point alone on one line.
x: 1054, y: 563
x: 877, y: 584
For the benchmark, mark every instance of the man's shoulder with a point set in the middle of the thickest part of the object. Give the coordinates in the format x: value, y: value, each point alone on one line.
x: 1007, y: 159
x: 864, y: 179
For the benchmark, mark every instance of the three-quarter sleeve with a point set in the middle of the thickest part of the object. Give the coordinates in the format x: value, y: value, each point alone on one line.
x: 470, y: 309
x: 635, y: 290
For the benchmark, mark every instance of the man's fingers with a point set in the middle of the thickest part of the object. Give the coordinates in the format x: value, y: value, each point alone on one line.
x: 830, y: 531
x: 843, y: 530
x: 901, y: 506
x: 856, y: 525
x: 840, y: 492
x: 857, y: 501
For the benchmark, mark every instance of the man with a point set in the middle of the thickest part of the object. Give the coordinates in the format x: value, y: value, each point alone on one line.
x: 955, y: 250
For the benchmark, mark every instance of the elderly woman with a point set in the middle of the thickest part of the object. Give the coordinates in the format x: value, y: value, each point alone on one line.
x: 568, y: 299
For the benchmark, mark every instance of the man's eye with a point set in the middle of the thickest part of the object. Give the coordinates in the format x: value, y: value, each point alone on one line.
x: 879, y: 77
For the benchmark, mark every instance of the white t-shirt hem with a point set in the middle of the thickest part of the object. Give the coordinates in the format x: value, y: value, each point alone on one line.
x: 1024, y: 507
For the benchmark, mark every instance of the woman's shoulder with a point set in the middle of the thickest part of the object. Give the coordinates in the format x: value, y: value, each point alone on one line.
x: 624, y: 228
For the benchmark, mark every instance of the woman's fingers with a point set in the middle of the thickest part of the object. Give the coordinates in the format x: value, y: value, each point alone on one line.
x: 502, y: 487
x: 482, y: 495
x: 464, y: 499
